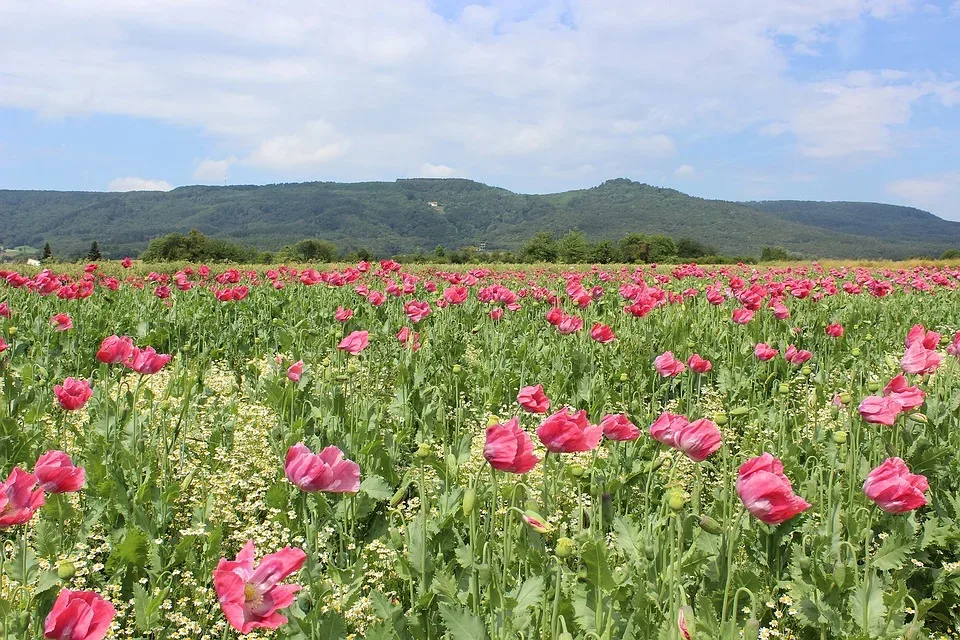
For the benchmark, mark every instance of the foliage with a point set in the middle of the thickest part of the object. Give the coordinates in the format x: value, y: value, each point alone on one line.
x: 393, y: 218
x: 184, y: 466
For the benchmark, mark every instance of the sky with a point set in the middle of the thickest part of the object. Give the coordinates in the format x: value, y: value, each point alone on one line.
x: 731, y: 99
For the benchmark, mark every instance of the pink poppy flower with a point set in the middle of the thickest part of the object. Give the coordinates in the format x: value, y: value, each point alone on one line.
x: 251, y: 596
x: 327, y: 471
x: 56, y: 473
x: 569, y: 432
x: 355, y: 342
x: 766, y: 492
x: 79, y: 615
x: 509, y: 448
x: 894, y: 489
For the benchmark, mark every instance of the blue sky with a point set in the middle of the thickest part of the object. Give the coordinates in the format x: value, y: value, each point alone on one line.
x: 741, y: 99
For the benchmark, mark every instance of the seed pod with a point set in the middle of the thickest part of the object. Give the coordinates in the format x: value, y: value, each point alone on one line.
x: 740, y: 411
x: 606, y: 507
x: 846, y: 398
x: 691, y: 344
x: 576, y: 470
x: 873, y: 387
x: 564, y: 547
x: 492, y: 420
x: 840, y: 437
x: 751, y: 629
x: 784, y: 388
x: 423, y: 451
x: 351, y: 367
x: 11, y: 331
x: 868, y: 337
x: 855, y: 352
x: 676, y: 501
x: 565, y: 635
x: 805, y: 371
x: 720, y: 418
x: 469, y: 497
x: 710, y: 525
x: 66, y: 570
x: 624, y: 377
x: 457, y: 368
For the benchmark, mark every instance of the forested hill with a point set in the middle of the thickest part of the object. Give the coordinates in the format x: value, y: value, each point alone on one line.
x: 419, y: 214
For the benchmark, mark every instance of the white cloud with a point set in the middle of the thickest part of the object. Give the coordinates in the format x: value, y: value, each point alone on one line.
x: 138, y: 184
x: 315, y: 144
x: 860, y: 113
x: 429, y: 170
x: 939, y: 193
x: 507, y: 88
x: 685, y: 171
x: 211, y: 171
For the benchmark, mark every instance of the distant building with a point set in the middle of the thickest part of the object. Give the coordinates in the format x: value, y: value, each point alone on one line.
x: 33, y: 262
x: 434, y: 204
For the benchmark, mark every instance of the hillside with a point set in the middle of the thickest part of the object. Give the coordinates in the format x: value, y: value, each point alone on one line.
x: 393, y: 217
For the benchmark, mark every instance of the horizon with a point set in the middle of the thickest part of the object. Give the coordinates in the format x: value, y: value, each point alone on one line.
x: 844, y: 100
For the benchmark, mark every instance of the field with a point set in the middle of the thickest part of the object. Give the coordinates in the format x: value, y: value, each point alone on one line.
x: 600, y: 453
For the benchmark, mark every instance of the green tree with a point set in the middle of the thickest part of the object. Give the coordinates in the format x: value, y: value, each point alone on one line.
x: 635, y: 247
x: 689, y: 248
x: 604, y: 252
x: 47, y: 252
x: 574, y: 248
x: 440, y: 252
x: 773, y: 254
x: 313, y: 250
x: 950, y: 254
x: 94, y: 253
x: 541, y: 248
x: 662, y: 248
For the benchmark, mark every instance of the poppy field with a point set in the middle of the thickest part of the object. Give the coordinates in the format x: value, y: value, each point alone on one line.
x: 388, y: 452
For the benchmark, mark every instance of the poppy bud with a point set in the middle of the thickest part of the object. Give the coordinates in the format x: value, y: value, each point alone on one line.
x: 840, y: 437
x: 676, y: 501
x: 805, y: 563
x: 845, y: 398
x: 890, y: 450
x: 423, y: 451
x: 564, y: 547
x: 751, y: 629
x: 536, y: 522
x: 469, y: 497
x: 710, y: 525
x: 839, y: 573
x: 650, y: 551
x: 913, y: 631
x: 66, y: 570
x: 685, y: 622
x: 720, y: 419
x: 399, y: 495
x: 873, y: 387
x: 740, y: 411
x: 918, y: 417
x: 624, y: 377
x: 606, y: 507
x: 566, y: 635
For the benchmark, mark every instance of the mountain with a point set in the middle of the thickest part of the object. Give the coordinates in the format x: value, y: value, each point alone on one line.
x: 418, y: 214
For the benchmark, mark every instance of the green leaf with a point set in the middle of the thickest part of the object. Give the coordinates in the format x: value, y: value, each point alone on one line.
x: 594, y: 555
x: 866, y: 606
x: 377, y: 488
x: 628, y: 537
x: 461, y: 624
x: 529, y: 593
x: 892, y: 553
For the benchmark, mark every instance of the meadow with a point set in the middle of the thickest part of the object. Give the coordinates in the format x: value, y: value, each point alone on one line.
x: 383, y: 452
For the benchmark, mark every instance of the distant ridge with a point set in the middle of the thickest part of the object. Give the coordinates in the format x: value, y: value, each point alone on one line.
x: 395, y: 217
